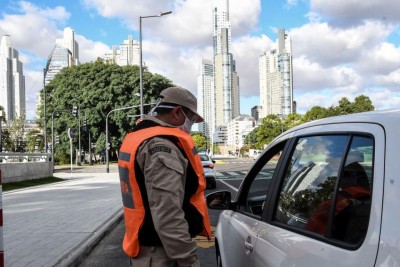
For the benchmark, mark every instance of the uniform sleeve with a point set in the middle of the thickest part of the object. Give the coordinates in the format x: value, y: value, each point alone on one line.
x: 164, y: 169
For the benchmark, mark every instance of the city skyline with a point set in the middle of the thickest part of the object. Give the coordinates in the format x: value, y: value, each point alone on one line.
x: 336, y: 52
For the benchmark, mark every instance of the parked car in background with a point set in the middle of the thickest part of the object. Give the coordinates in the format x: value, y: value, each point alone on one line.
x: 324, y: 193
x: 209, y: 171
x: 256, y: 154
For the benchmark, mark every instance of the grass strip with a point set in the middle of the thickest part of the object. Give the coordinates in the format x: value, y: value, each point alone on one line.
x: 29, y: 183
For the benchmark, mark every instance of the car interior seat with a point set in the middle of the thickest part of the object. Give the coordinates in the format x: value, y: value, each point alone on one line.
x: 351, y: 223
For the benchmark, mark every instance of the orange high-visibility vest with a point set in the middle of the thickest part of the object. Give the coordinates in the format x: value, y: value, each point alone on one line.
x: 134, y: 210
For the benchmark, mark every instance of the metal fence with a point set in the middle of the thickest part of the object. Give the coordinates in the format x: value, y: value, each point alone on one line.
x: 14, y: 157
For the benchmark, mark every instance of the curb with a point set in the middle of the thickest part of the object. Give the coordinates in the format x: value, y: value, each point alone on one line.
x: 78, y: 254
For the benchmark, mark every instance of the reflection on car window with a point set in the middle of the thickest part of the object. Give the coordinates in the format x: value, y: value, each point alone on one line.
x: 315, y: 179
x: 259, y: 186
x: 310, y: 178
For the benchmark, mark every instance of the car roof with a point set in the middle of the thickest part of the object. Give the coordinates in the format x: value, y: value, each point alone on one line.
x: 386, y: 118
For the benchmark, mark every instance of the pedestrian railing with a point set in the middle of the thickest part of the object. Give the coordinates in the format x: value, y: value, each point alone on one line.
x: 14, y: 157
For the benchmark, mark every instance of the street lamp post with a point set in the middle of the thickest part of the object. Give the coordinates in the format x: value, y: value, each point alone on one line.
x: 79, y: 134
x: 52, y: 136
x: 140, y: 55
x: 44, y: 108
x: 45, y: 70
x: 107, y: 143
x: 1, y: 120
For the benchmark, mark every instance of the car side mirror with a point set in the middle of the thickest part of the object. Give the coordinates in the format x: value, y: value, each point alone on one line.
x: 220, y: 200
x: 213, y: 161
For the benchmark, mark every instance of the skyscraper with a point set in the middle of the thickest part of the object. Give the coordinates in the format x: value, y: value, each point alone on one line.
x: 218, y: 82
x: 127, y: 54
x: 12, y: 81
x: 226, y: 81
x: 276, y: 78
x: 206, y: 96
x: 65, y: 54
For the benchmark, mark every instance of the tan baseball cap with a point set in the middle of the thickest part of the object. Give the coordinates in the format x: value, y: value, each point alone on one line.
x: 182, y: 97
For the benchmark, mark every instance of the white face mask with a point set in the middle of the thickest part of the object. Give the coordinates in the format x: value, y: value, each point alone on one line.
x: 187, y: 125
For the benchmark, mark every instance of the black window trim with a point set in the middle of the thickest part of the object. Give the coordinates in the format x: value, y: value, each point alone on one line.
x: 249, y: 178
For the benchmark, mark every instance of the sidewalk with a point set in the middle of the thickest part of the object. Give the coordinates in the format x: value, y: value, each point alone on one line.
x: 57, y: 224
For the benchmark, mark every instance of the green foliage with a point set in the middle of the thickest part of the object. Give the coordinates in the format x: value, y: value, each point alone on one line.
x: 216, y: 150
x: 361, y: 103
x: 13, y: 136
x: 315, y: 113
x: 272, y: 126
x: 29, y: 183
x: 292, y: 120
x: 97, y: 88
x: 200, y: 140
x: 7, y: 143
x: 3, y: 117
x: 244, y: 150
x: 34, y: 141
x: 251, y: 139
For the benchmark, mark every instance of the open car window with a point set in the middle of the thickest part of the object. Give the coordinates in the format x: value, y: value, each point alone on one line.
x: 256, y: 185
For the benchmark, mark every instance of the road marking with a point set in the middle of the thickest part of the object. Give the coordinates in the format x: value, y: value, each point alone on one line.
x: 203, y: 242
x: 228, y: 185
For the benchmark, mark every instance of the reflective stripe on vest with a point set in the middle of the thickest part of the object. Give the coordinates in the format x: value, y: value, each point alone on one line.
x: 134, y: 210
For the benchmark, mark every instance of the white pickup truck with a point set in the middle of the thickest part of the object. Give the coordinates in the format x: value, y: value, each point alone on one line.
x: 331, y: 199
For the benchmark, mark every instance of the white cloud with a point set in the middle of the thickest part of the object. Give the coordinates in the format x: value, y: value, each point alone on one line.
x: 392, y: 80
x: 310, y: 76
x: 380, y: 98
x: 34, y: 83
x: 90, y: 50
x: 354, y: 11
x: 381, y: 60
x: 32, y: 29
x: 331, y: 46
x: 126, y: 9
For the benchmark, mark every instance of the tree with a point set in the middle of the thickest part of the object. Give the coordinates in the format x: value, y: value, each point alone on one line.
x: 345, y: 107
x: 362, y: 103
x: 270, y: 128
x: 251, y: 139
x: 292, y: 120
x: 15, y: 134
x: 34, y: 141
x: 8, y: 145
x: 98, y: 88
x: 315, y: 113
x: 200, y: 140
x: 2, y: 119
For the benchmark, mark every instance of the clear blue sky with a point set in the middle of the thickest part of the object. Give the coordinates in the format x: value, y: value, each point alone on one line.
x: 340, y: 48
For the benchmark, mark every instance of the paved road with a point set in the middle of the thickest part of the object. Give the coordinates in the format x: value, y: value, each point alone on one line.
x: 109, y: 253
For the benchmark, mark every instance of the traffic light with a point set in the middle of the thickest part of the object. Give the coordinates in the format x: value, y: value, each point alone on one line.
x: 57, y: 139
x: 74, y: 110
x: 108, y: 146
